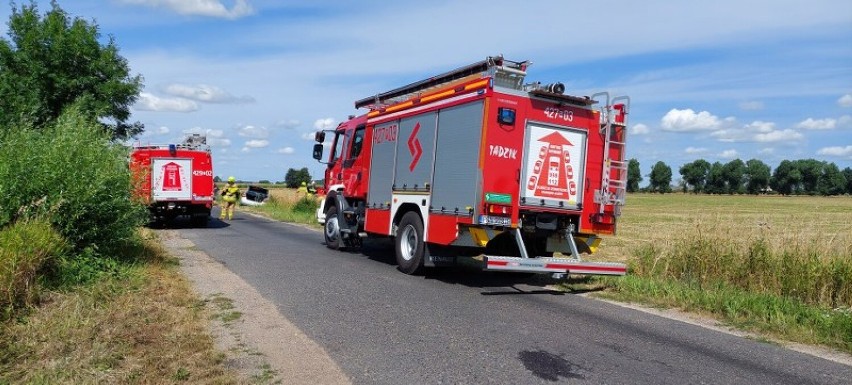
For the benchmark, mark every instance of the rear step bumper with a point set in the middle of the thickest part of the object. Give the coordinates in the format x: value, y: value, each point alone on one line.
x: 553, y: 265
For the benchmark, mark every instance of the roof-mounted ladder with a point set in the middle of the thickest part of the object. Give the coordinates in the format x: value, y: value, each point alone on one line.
x: 192, y: 142
x: 614, y: 174
x: 505, y: 73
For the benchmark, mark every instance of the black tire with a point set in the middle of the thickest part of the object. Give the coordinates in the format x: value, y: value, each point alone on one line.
x: 410, y: 245
x: 332, y: 229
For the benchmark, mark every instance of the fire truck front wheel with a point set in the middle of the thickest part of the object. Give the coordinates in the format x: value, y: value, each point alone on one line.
x: 410, y: 247
x: 332, y: 229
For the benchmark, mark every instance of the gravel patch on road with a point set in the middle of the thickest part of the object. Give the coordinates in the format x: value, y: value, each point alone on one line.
x: 259, y: 343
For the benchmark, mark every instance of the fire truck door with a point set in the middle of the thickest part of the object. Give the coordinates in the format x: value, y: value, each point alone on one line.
x: 335, y: 165
x: 353, y: 165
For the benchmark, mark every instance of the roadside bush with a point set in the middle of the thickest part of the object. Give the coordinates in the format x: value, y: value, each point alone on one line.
x: 73, y: 174
x: 306, y: 204
x: 25, y: 247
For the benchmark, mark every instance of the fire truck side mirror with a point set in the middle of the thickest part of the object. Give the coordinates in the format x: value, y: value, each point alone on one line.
x: 318, y: 151
x: 319, y: 136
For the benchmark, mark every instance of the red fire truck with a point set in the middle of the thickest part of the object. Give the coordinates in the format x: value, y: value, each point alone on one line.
x: 174, y: 179
x: 477, y: 163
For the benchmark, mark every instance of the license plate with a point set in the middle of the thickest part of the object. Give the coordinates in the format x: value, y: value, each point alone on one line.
x: 494, y: 220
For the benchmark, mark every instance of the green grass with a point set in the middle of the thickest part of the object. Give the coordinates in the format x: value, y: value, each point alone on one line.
x: 223, y: 309
x: 775, y: 265
x: 778, y: 316
x: 25, y: 248
x: 287, y: 206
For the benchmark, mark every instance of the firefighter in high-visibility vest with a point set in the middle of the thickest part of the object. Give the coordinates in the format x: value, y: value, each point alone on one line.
x: 303, y: 189
x: 230, y: 196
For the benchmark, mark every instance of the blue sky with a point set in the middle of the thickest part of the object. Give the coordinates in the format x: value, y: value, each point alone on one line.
x: 715, y: 80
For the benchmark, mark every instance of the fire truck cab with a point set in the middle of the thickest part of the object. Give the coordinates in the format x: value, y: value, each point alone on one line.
x: 478, y: 163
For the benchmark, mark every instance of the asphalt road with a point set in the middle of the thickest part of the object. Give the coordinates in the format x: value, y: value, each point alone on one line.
x: 466, y: 327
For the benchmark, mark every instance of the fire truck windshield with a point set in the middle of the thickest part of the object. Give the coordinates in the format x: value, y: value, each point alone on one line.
x: 339, y: 139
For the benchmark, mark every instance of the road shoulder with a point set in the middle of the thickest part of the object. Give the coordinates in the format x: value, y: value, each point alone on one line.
x: 258, y: 342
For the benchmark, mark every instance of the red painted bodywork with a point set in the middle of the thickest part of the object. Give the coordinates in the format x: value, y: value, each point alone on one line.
x: 498, y: 174
x: 202, y: 179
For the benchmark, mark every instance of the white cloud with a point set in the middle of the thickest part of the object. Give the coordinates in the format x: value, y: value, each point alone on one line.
x: 786, y: 135
x: 212, y: 8
x: 759, y: 126
x: 257, y: 143
x: 729, y: 135
x: 845, y: 101
x: 205, y: 93
x: 288, y: 124
x: 219, y: 142
x: 818, y: 124
x: 757, y: 131
x: 640, y: 129
x: 324, y: 124
x: 766, y: 151
x: 688, y: 120
x: 728, y: 154
x: 286, y: 150
x: 843, y: 152
x: 695, y: 150
x: 250, y: 131
x: 751, y: 105
x: 161, y: 130
x: 149, y: 102
x: 309, y: 136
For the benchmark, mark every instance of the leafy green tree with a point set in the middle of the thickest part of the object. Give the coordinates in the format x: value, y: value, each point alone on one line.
x: 733, y: 172
x: 294, y: 178
x: 217, y: 179
x: 847, y: 173
x: 810, y: 170
x: 634, y: 175
x: 661, y: 178
x: 52, y: 62
x: 757, y: 176
x: 831, y: 181
x: 786, y: 178
x: 715, y: 179
x: 695, y: 174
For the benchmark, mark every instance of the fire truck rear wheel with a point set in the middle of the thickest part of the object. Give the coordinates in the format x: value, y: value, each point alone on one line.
x: 332, y: 229
x: 410, y: 246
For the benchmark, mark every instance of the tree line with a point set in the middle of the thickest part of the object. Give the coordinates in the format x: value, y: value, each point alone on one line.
x: 791, y: 177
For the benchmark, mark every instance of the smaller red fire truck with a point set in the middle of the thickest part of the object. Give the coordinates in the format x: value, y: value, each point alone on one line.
x: 174, y: 179
x: 478, y: 163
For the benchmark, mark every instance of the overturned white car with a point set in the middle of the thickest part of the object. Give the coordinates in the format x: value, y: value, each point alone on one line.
x: 255, y: 196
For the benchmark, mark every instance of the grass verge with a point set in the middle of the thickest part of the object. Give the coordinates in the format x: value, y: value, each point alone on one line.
x: 141, y: 326
x: 288, y: 206
x: 780, y: 266
x: 780, y: 317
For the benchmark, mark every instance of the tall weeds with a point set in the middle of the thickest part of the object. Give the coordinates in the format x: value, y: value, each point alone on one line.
x: 814, y: 271
x: 25, y: 248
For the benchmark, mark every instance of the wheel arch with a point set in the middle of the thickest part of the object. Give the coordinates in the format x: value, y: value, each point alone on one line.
x: 401, y: 211
x: 335, y: 198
